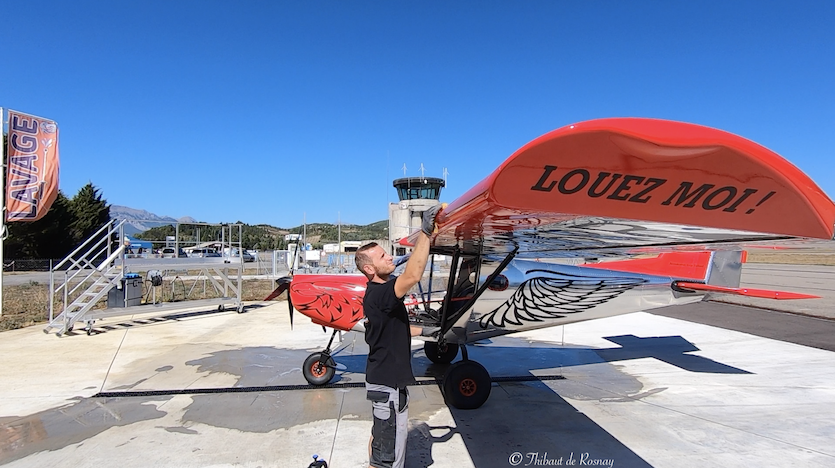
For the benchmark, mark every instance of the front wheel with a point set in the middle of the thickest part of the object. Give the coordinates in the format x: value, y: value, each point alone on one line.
x: 317, y: 373
x: 466, y: 385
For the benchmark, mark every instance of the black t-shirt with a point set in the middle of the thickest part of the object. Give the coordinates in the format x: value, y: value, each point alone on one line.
x: 388, y: 337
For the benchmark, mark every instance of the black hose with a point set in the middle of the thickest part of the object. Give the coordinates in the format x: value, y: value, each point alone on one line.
x: 183, y: 284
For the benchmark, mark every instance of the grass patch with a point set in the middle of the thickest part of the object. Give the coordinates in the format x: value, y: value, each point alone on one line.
x: 825, y: 259
x: 28, y: 304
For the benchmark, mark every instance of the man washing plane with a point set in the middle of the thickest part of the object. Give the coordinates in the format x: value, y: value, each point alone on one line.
x: 389, y: 334
x: 666, y: 223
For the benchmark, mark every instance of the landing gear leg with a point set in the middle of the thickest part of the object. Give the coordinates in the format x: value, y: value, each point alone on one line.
x: 466, y: 384
x: 319, y: 368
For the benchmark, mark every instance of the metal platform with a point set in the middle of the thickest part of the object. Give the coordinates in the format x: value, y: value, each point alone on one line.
x: 165, y: 307
x: 178, y: 264
x: 100, y: 267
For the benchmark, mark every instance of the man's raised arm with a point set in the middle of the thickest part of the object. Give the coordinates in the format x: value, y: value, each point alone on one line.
x: 420, y: 254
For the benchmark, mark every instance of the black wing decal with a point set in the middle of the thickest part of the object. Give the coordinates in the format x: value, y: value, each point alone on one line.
x: 542, y: 298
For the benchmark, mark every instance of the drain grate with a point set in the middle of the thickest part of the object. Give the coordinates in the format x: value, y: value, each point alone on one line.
x: 284, y: 388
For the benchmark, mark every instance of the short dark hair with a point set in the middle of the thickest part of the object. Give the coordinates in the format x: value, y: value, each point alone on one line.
x: 361, y: 258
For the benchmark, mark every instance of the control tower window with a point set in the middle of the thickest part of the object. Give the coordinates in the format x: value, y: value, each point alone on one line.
x: 419, y: 188
x: 415, y: 193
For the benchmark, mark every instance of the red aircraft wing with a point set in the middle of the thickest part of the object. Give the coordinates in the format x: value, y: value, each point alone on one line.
x: 624, y: 184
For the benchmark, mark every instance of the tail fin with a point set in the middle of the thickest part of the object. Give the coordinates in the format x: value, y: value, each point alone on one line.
x: 725, y: 268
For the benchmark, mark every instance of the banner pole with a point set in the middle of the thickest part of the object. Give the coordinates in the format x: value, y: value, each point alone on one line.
x: 2, y: 209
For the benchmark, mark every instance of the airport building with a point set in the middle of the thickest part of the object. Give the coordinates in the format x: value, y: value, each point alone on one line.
x: 416, y: 194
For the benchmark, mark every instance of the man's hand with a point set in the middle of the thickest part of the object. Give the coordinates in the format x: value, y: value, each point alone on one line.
x: 428, y: 225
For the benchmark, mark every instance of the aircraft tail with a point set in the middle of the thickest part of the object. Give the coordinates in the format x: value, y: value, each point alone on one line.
x: 716, y: 268
x: 717, y: 272
x: 725, y: 268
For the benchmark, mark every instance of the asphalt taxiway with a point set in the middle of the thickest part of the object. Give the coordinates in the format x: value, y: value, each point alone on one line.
x: 707, y: 384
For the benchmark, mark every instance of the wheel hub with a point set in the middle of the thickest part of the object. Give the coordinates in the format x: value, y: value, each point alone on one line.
x: 468, y: 387
x: 317, y: 369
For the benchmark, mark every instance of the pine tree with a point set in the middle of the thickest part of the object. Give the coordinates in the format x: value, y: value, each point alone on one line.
x: 90, y: 212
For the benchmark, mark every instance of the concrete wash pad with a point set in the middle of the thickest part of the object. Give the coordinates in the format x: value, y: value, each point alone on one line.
x: 634, y: 390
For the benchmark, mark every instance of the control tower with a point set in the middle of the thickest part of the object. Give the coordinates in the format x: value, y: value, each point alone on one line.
x: 416, y: 194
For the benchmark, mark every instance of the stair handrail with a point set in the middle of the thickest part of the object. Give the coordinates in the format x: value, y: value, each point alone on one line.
x: 84, y: 260
x: 94, y: 236
x: 102, y: 235
x: 93, y: 271
x: 83, y: 263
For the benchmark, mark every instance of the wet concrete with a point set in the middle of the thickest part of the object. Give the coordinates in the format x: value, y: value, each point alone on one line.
x: 69, y: 425
x: 636, y: 390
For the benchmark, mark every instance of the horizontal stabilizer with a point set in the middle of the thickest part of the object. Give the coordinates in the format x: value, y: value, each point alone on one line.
x: 750, y: 292
x: 693, y: 265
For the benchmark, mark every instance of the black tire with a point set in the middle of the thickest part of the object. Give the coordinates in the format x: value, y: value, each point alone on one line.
x: 466, y: 385
x: 241, y: 309
x: 440, y: 354
x: 315, y: 373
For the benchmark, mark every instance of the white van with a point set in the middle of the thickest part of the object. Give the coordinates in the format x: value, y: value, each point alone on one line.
x: 203, y: 253
x: 247, y: 257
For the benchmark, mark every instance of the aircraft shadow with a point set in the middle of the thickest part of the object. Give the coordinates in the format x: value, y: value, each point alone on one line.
x: 529, y: 423
x: 522, y: 424
x: 504, y: 359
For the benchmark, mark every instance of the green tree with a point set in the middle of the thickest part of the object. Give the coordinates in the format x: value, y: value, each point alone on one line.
x: 67, y: 223
x: 44, y: 238
x: 90, y: 212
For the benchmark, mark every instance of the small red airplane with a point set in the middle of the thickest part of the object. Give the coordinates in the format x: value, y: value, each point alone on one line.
x: 663, y: 208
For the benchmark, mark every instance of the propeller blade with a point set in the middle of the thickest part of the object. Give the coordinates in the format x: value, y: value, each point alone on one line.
x: 284, y: 285
x: 290, y: 307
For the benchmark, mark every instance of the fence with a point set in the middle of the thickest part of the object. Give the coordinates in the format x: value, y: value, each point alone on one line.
x: 266, y: 263
x: 29, y: 264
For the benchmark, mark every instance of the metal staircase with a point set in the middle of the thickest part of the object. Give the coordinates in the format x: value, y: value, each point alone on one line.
x: 96, y: 266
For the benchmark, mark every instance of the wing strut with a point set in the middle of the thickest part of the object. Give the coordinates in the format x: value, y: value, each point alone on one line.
x: 429, y: 288
x: 456, y: 256
x: 427, y: 296
x: 446, y: 322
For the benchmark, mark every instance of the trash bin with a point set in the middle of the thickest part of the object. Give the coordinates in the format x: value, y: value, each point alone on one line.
x: 128, y: 295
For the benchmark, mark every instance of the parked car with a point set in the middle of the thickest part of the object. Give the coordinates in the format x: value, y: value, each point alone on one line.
x: 203, y: 253
x: 171, y: 252
x: 247, y: 257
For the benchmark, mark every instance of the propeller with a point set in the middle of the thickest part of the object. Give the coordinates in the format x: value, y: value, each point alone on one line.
x: 290, y: 309
x: 283, y: 284
x: 289, y: 279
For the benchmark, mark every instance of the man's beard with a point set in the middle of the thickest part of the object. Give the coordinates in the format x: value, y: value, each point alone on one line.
x: 384, y: 272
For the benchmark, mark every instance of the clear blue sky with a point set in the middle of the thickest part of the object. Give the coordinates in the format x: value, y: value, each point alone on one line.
x: 260, y: 111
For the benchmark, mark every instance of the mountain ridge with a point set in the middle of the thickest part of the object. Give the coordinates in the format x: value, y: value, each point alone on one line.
x: 139, y: 220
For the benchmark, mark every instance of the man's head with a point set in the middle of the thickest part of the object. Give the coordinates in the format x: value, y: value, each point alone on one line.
x: 374, y: 262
